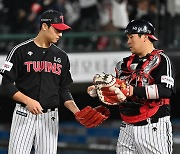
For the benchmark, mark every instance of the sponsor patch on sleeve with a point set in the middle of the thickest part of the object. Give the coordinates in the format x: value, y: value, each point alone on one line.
x: 7, y: 66
x: 167, y: 79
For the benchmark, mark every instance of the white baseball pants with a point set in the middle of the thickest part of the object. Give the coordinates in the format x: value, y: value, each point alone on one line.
x: 28, y: 129
x: 155, y: 138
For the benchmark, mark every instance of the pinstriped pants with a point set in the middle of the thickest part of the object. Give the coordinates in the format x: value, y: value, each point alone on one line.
x: 28, y: 129
x: 155, y: 138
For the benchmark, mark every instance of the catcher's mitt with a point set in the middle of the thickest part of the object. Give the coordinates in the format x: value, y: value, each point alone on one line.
x: 110, y: 89
x: 92, y: 117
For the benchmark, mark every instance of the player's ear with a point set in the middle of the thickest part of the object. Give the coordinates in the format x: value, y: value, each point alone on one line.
x: 145, y: 37
x: 44, y: 26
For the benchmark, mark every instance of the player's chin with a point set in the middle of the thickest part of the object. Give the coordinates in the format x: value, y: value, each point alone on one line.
x: 132, y: 50
x: 55, y: 40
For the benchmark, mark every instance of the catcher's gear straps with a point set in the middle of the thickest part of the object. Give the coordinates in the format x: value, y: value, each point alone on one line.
x: 140, y: 73
x: 151, y: 106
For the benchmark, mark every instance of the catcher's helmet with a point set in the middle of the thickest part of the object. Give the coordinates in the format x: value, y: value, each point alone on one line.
x: 141, y: 27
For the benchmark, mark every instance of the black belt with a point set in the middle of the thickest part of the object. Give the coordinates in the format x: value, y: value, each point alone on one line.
x: 145, y: 122
x: 48, y: 110
x: 44, y: 110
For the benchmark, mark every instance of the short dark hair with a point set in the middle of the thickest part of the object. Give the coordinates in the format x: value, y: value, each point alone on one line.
x: 48, y: 24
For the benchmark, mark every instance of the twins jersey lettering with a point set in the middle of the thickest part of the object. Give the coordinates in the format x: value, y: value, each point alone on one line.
x: 39, y: 66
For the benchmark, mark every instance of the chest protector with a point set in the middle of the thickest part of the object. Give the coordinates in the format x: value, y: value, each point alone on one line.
x: 136, y: 109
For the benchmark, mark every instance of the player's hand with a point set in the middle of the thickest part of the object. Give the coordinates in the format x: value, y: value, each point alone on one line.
x: 91, y: 90
x: 34, y: 106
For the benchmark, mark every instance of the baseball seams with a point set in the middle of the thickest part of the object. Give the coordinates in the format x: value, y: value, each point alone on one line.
x: 27, y: 128
x: 153, y: 138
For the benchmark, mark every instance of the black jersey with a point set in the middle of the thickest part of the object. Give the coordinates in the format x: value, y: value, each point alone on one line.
x: 162, y: 74
x: 40, y: 73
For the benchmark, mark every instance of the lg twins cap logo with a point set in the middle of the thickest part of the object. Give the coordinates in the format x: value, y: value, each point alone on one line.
x: 7, y: 66
x: 62, y: 18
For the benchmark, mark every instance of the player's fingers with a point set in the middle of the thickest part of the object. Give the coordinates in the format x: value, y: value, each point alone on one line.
x: 117, y: 85
x: 40, y: 110
x: 108, y: 93
x: 32, y: 111
x: 90, y: 88
x: 111, y: 99
x: 35, y: 111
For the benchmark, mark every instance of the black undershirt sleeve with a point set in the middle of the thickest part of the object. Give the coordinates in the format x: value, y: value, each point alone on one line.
x: 65, y: 94
x: 8, y: 87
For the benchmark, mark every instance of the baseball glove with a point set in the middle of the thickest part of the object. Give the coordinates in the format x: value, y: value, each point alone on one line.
x: 92, y: 117
x: 110, y: 89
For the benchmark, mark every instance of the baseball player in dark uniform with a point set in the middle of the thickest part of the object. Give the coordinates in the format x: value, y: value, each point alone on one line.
x: 36, y: 74
x: 41, y: 74
x: 145, y: 111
